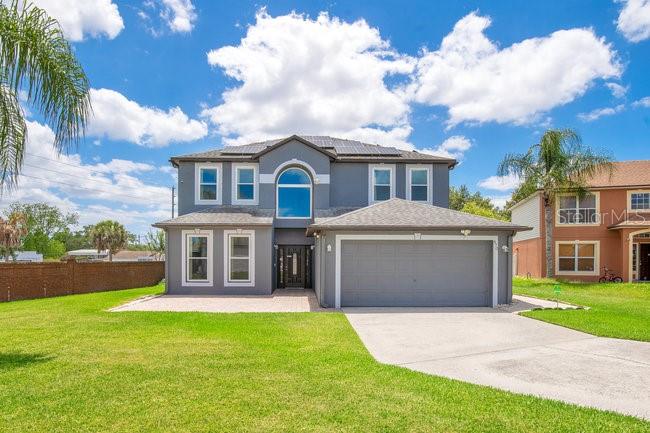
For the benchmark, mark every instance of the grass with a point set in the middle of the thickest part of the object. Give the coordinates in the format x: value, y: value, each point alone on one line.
x: 615, y: 310
x: 67, y: 365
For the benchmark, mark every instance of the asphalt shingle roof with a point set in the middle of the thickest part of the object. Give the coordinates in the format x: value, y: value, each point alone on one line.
x: 396, y: 213
x: 342, y: 149
x: 624, y: 173
x: 222, y: 216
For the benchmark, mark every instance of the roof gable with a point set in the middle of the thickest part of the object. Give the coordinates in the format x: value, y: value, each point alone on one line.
x: 298, y: 139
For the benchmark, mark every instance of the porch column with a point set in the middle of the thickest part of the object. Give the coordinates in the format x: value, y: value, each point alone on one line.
x: 626, y: 251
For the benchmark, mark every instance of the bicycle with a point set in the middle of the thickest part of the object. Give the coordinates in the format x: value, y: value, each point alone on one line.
x: 609, y: 277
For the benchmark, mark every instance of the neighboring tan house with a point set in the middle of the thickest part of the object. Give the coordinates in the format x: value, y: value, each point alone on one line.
x: 610, y: 227
x: 361, y: 224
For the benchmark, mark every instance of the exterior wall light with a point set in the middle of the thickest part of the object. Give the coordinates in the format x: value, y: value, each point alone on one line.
x: 329, y: 248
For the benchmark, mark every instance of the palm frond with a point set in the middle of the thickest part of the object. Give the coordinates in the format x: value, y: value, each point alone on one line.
x: 36, y: 58
x: 13, y: 135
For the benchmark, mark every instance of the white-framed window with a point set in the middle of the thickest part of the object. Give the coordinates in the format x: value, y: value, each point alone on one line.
x: 207, y: 183
x: 245, y: 183
x: 639, y: 200
x: 418, y: 183
x: 294, y: 194
x: 197, y: 257
x: 573, y: 209
x: 381, y: 182
x: 577, y: 258
x: 239, y: 257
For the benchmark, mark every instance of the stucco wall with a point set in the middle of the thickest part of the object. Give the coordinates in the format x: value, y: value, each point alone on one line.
x: 529, y: 257
x: 263, y: 263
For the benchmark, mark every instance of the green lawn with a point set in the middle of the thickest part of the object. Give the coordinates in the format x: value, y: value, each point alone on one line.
x: 615, y: 310
x: 67, y: 365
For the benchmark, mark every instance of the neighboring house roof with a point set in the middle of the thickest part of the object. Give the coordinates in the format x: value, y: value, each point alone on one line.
x: 222, y: 215
x: 126, y: 255
x: 624, y: 174
x: 400, y: 214
x: 338, y: 149
x: 87, y: 252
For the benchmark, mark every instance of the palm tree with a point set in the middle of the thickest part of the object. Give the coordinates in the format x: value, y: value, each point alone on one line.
x: 558, y: 163
x: 12, y: 231
x: 37, y: 61
x: 109, y: 235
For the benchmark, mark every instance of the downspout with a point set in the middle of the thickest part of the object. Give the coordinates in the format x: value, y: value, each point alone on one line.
x: 166, y: 260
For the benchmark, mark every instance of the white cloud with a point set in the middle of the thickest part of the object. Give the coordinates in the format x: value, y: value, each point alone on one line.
x: 96, y: 191
x: 500, y: 183
x: 643, y: 102
x: 179, y: 15
x: 119, y: 118
x: 312, y: 76
x: 479, y: 82
x: 80, y: 18
x: 634, y: 20
x: 618, y: 91
x: 600, y: 112
x: 453, y: 147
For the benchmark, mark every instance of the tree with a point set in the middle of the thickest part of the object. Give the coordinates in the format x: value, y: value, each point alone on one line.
x: 36, y: 58
x: 12, y: 230
x: 44, y: 218
x: 109, y: 235
x: 461, y: 199
x: 156, y: 242
x: 558, y: 163
x: 75, y: 240
x: 488, y: 212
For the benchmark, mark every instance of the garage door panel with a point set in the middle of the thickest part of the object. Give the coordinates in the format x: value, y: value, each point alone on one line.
x: 416, y: 273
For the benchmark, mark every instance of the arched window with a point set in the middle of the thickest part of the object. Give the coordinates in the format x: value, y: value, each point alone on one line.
x: 294, y: 194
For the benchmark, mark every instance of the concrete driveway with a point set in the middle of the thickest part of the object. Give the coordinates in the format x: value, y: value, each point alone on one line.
x: 499, y: 348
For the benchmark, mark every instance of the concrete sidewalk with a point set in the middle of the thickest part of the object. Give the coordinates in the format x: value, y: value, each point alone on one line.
x: 498, y: 348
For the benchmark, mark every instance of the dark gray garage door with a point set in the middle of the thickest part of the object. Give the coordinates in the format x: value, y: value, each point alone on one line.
x: 415, y: 273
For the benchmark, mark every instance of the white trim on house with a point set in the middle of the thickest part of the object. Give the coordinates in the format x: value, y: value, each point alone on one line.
x: 414, y: 167
x: 596, y: 270
x: 186, y: 235
x: 197, y: 182
x: 311, y: 195
x: 317, y: 178
x: 630, y: 241
x: 629, y: 200
x: 250, y: 234
x: 236, y: 166
x: 568, y: 194
x: 371, y: 180
x: 415, y: 237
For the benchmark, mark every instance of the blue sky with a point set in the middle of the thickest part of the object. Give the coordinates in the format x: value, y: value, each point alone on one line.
x: 470, y: 79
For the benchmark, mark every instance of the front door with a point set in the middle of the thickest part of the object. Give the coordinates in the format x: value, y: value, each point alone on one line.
x: 294, y: 266
x: 644, y: 262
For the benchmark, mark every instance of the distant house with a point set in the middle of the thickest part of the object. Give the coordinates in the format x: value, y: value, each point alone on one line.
x: 88, y: 254
x: 26, y: 257
x: 609, y: 227
x: 137, y: 256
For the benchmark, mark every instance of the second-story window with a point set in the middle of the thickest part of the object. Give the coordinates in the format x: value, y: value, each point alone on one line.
x: 573, y: 209
x: 381, y: 183
x: 294, y: 194
x: 418, y: 184
x: 244, y: 185
x: 208, y: 179
x: 640, y: 201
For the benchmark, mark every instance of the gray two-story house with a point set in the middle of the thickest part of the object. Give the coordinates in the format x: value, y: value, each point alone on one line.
x: 360, y: 224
